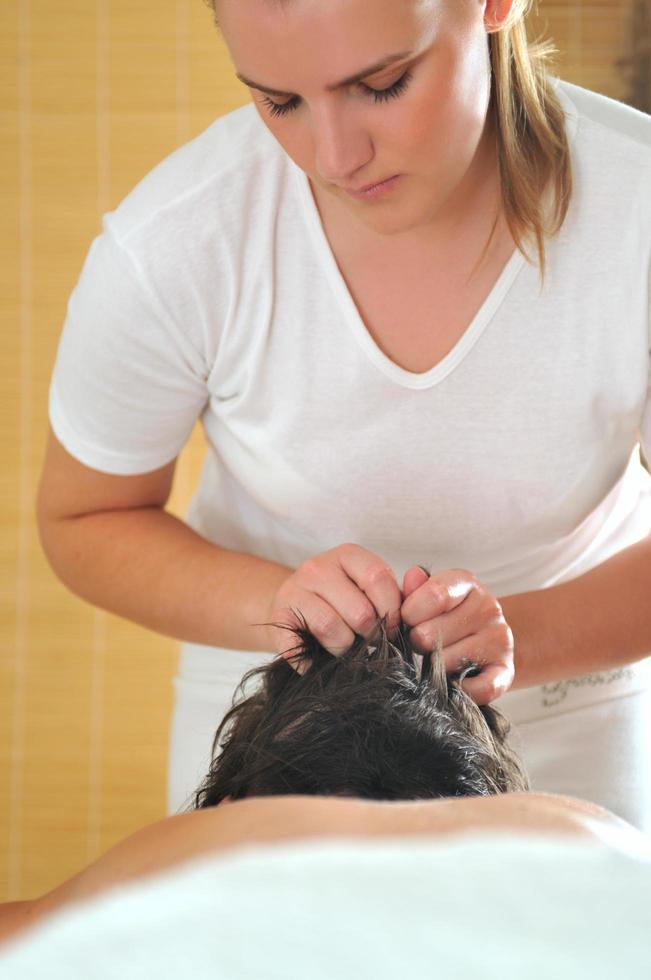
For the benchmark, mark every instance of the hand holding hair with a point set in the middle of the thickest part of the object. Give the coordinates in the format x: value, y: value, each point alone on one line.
x: 340, y: 593
x: 470, y: 621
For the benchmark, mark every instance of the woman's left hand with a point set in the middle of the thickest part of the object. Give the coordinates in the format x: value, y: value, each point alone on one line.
x: 472, y: 627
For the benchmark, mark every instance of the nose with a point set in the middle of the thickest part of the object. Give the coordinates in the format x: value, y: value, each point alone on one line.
x: 342, y: 146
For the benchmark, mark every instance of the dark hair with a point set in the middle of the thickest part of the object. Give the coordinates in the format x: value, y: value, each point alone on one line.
x: 380, y: 721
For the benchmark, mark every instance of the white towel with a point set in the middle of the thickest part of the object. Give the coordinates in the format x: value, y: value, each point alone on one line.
x: 473, y: 906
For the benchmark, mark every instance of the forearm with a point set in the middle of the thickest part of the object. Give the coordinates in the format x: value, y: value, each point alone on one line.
x: 148, y: 566
x: 600, y: 620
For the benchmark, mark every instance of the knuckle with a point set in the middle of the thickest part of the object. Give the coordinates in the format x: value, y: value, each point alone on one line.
x: 324, y: 624
x: 488, y: 614
x: 490, y: 609
x: 309, y: 567
x: 438, y: 592
x: 502, y: 636
x: 425, y: 637
x: 468, y: 576
x: 349, y: 547
x: 497, y: 606
x: 363, y: 619
x: 377, y: 572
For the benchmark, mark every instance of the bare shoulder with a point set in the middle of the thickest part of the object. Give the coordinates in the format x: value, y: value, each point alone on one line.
x: 16, y: 917
x: 277, y: 819
x: 182, y: 837
x: 147, y: 851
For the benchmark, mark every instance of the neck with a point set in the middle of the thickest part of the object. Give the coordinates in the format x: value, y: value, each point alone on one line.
x: 465, y: 219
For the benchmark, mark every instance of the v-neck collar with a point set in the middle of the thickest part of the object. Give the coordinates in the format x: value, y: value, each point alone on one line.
x: 360, y: 332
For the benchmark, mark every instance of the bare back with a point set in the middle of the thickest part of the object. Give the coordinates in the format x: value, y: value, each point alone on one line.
x: 280, y: 819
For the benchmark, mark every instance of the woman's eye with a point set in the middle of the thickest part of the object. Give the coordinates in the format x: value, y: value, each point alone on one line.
x: 379, y: 95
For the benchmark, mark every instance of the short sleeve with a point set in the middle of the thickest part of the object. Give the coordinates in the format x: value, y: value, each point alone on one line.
x: 127, y: 385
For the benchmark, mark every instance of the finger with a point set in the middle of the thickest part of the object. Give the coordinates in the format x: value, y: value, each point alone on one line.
x: 376, y: 580
x: 413, y: 579
x: 493, y: 645
x: 469, y: 618
x: 353, y: 611
x: 492, y: 651
x: 441, y: 592
x: 323, y: 622
x: 493, y: 681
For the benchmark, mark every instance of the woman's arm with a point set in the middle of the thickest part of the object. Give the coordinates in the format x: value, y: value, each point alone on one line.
x: 601, y: 619
x: 110, y: 540
x: 276, y: 819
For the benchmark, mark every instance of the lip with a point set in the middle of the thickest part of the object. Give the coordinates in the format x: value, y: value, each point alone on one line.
x: 373, y: 190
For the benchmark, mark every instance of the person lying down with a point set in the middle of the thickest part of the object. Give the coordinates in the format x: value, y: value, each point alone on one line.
x: 377, y: 742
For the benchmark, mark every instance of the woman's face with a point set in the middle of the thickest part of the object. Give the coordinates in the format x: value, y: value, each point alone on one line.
x: 427, y: 126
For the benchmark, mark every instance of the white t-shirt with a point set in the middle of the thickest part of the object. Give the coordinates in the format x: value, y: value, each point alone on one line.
x: 212, y: 292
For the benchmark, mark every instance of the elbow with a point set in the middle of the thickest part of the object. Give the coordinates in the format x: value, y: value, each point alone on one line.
x: 54, y: 539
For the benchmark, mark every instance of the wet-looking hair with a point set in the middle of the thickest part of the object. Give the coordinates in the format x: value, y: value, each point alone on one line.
x: 380, y: 721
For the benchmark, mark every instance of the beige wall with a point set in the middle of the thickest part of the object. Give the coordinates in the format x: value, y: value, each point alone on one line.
x: 93, y: 95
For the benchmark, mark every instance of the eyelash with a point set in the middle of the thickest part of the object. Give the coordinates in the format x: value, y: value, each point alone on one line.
x: 380, y: 95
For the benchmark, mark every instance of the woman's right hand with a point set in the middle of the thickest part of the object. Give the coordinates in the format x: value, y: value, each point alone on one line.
x: 340, y: 592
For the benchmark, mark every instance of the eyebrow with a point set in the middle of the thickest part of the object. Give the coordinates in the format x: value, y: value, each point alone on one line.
x: 390, y: 59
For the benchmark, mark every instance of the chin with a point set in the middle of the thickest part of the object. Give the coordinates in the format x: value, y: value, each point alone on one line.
x: 390, y: 220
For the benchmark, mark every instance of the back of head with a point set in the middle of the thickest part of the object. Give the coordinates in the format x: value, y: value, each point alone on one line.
x: 380, y: 722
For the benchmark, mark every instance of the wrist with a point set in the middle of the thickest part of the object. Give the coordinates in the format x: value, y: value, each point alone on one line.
x: 261, y: 612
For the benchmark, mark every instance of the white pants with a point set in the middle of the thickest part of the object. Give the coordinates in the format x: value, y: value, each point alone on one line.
x: 204, y: 685
x: 589, y: 737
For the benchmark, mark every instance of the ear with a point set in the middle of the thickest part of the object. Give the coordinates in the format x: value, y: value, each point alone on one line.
x: 496, y: 13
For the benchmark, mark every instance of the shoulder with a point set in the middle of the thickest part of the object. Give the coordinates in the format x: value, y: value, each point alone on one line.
x: 610, y: 147
x: 282, y: 819
x: 148, y: 850
x: 610, y: 143
x: 16, y: 917
x: 179, y: 243
x: 605, y: 118
x: 203, y: 180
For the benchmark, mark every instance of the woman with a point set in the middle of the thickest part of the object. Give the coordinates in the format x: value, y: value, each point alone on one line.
x: 452, y: 365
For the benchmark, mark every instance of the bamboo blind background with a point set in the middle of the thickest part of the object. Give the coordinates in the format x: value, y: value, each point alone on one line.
x: 92, y: 96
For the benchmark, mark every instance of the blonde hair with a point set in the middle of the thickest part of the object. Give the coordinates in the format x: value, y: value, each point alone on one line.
x: 533, y: 152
